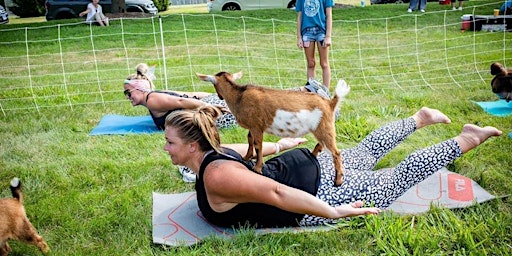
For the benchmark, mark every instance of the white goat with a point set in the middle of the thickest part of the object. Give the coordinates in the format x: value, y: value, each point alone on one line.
x: 284, y: 113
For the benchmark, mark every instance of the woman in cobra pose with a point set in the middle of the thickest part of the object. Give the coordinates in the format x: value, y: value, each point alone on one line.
x: 297, y: 189
x: 139, y: 89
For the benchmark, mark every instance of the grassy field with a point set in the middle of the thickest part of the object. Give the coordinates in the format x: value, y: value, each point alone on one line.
x: 91, y: 195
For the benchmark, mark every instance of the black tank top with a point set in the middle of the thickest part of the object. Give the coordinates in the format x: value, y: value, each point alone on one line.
x: 296, y: 168
x: 160, y: 121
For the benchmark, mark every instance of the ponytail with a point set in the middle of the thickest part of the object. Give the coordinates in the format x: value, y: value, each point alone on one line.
x: 197, y: 125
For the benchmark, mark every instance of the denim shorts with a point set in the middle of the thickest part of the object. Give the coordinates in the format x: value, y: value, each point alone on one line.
x: 313, y: 34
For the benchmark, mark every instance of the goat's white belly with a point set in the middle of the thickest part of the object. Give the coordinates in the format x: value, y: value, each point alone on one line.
x: 295, y: 124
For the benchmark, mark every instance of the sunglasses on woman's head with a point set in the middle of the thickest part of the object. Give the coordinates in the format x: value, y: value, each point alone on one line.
x: 128, y: 92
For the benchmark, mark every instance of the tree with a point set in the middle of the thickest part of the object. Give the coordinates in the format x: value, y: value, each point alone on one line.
x: 28, y: 8
x: 118, y: 6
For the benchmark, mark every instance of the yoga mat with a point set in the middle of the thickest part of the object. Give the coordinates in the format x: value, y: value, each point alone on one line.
x: 497, y: 108
x: 118, y: 124
x: 177, y: 220
x: 443, y: 189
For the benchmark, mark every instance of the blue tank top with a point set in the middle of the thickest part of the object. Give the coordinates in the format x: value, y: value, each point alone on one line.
x: 313, y: 13
x: 296, y: 168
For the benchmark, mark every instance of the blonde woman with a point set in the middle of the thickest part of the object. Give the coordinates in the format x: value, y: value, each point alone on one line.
x: 140, y: 90
x: 296, y: 188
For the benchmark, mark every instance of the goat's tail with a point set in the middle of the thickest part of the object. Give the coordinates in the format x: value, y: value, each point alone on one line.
x: 16, y: 189
x: 342, y: 89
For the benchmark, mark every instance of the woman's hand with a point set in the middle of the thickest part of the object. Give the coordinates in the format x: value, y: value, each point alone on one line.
x: 287, y: 143
x: 225, y: 110
x: 355, y: 209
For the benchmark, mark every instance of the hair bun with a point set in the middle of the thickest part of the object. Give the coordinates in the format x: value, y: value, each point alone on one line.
x: 142, y: 68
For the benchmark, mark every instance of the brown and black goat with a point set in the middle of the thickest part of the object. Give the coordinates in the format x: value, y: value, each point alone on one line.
x: 284, y: 113
x: 501, y: 84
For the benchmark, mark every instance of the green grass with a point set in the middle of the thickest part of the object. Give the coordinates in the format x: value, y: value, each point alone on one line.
x: 91, y: 195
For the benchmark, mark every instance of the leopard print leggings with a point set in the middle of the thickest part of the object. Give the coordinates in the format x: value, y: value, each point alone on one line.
x: 225, y: 121
x: 380, y: 188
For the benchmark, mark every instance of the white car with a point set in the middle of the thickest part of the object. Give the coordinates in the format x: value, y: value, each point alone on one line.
x: 237, y: 5
x: 4, y: 16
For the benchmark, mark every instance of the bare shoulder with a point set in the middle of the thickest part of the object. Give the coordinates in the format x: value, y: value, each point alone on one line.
x: 228, y: 175
x: 230, y: 182
x: 218, y: 169
x: 161, y: 101
x: 224, y: 177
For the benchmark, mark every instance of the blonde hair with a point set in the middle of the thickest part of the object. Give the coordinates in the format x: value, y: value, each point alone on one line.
x: 197, y: 125
x: 143, y: 72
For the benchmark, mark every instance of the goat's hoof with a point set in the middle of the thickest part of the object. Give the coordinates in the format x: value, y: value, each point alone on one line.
x: 338, y: 182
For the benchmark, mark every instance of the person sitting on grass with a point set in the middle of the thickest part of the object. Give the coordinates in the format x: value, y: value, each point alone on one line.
x: 297, y: 189
x: 95, y: 14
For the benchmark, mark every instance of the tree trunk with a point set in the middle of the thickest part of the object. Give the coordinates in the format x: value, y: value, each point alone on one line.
x: 118, y: 6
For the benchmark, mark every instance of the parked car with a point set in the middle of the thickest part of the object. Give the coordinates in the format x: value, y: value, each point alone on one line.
x: 4, y: 16
x: 68, y: 9
x: 237, y: 5
x: 146, y: 6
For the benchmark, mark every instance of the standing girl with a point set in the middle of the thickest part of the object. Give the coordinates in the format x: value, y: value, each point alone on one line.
x: 314, y: 26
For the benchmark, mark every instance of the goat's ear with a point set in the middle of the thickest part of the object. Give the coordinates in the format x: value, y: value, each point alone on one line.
x: 497, y: 68
x: 237, y: 75
x: 206, y: 78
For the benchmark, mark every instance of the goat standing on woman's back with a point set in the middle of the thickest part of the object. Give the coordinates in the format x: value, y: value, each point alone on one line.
x: 284, y: 113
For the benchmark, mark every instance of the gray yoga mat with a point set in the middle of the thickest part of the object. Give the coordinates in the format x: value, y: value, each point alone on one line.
x: 177, y: 220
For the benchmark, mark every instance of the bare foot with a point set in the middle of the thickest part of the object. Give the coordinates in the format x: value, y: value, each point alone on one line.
x: 427, y: 116
x: 472, y: 136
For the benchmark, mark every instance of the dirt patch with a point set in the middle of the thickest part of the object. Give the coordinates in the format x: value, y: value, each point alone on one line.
x: 343, y: 6
x: 128, y: 15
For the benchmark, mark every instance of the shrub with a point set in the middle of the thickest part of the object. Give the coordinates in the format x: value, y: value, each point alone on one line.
x: 162, y: 5
x: 28, y: 8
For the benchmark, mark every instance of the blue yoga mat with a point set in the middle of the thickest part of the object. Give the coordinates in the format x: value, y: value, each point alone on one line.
x: 118, y: 124
x: 496, y: 108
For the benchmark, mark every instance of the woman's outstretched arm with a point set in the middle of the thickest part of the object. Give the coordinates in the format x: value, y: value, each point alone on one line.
x: 269, y: 148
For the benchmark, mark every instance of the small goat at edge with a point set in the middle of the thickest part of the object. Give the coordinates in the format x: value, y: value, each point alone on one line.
x: 14, y: 223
